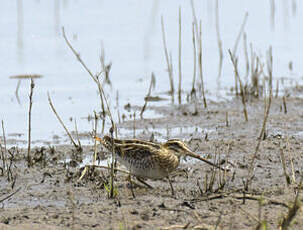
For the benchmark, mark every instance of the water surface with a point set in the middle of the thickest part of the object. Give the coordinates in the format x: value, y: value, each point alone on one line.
x: 130, y: 31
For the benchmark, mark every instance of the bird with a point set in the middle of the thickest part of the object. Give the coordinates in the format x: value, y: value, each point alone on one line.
x: 149, y: 160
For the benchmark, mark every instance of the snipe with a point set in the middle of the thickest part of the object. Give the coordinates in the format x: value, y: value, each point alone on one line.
x: 150, y: 160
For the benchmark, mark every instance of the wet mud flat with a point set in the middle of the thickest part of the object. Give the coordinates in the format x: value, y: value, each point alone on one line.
x: 49, y: 195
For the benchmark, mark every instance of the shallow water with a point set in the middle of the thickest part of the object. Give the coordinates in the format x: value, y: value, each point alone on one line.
x: 31, y: 43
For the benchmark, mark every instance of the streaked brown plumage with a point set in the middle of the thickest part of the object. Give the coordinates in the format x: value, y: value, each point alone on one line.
x: 147, y: 159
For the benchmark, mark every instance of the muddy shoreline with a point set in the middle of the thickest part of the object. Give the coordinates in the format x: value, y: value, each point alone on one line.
x: 51, y: 196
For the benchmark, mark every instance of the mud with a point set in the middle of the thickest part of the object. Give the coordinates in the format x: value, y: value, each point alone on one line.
x: 52, y: 197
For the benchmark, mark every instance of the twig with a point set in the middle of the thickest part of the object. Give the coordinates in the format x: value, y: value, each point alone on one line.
x: 179, y: 62
x: 29, y: 160
x: 10, y: 195
x: 176, y: 226
x: 169, y: 64
x: 61, y: 122
x: 239, y: 197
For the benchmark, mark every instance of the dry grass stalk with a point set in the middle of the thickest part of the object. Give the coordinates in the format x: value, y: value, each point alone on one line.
x: 226, y: 119
x: 134, y: 125
x: 102, y: 96
x: 277, y: 89
x: 256, y: 71
x: 168, y: 60
x: 95, y: 134
x: 179, y: 60
x: 105, y: 68
x: 200, y: 64
x: 61, y: 122
x: 3, y: 152
x: 240, y: 33
x: 288, y: 182
x: 293, y: 175
x: 199, y: 41
x: 293, y: 210
x: 117, y: 105
x: 195, y: 21
x: 219, y: 40
x: 246, y: 56
x: 193, y: 90
x: 77, y: 134
x: 270, y: 69
x: 284, y: 104
x: 29, y: 159
x: 112, y: 166
x: 151, y: 86
x: 262, y: 132
x: 236, y: 46
x: 235, y: 64
x: 95, y: 78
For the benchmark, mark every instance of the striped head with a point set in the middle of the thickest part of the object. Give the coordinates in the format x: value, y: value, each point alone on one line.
x: 178, y: 147
x: 106, y: 141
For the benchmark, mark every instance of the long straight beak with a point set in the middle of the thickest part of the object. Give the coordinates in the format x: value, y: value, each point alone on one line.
x: 195, y: 155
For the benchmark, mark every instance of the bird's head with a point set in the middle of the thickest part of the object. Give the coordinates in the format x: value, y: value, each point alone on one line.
x: 179, y: 147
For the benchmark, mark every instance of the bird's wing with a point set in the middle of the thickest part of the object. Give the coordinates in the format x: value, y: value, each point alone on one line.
x: 136, y: 150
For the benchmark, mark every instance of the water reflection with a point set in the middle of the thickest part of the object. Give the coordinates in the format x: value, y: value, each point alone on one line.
x: 31, y: 43
x: 57, y: 16
x: 20, y: 25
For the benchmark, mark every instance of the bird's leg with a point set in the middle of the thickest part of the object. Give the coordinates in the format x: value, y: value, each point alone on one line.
x: 171, y: 186
x: 143, y: 182
x: 131, y: 185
